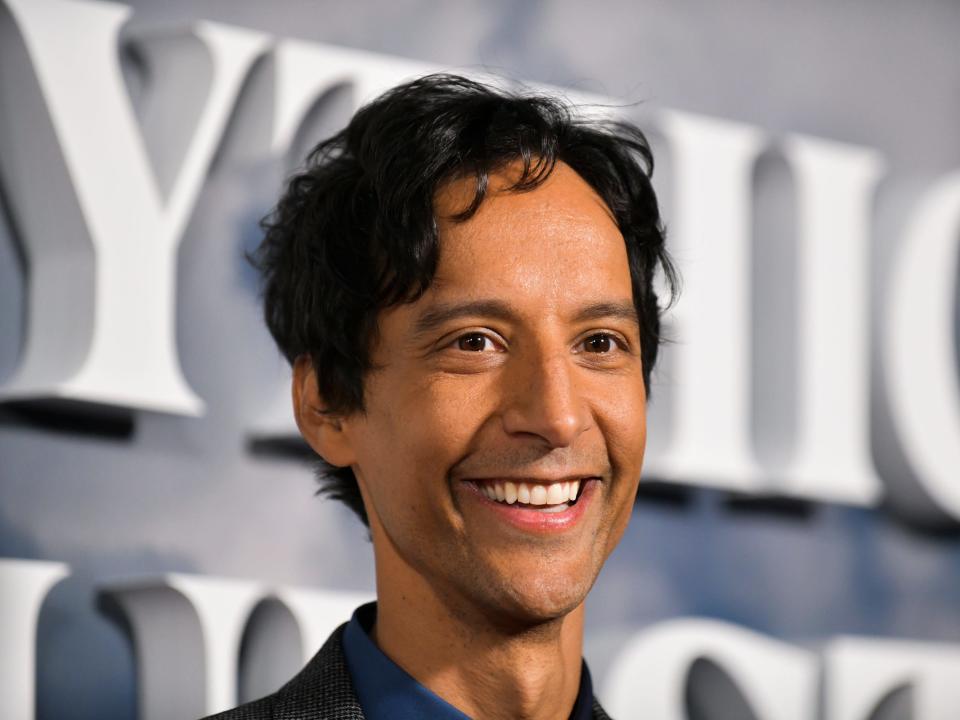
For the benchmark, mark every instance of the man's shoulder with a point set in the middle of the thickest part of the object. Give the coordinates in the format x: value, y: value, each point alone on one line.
x: 323, y: 690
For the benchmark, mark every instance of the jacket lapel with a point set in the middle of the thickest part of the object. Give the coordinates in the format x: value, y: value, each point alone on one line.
x: 322, y: 690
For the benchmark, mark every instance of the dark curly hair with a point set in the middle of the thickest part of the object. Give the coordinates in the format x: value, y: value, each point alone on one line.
x: 355, y: 233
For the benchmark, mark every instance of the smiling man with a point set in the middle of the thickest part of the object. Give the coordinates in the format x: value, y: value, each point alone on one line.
x: 463, y: 280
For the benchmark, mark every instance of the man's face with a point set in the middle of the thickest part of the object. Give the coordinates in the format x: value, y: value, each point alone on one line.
x: 520, y: 364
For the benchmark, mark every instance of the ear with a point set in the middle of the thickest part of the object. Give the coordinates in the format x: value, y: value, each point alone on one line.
x: 323, y: 431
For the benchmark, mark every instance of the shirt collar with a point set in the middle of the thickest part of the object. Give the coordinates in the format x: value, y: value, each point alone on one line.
x: 387, y: 692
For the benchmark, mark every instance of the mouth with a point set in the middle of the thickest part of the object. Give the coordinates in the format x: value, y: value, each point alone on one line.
x: 542, y: 497
x: 535, y: 505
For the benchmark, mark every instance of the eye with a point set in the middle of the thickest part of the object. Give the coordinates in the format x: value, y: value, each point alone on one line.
x: 600, y: 343
x: 474, y: 342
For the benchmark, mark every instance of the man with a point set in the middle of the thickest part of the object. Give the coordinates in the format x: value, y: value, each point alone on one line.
x: 463, y: 282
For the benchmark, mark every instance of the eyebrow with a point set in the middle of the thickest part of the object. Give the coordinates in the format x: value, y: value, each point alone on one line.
x: 442, y: 313
x: 619, y: 310
x: 436, y: 316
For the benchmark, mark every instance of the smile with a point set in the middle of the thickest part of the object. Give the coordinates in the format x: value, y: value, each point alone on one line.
x: 536, y: 505
x: 552, y: 497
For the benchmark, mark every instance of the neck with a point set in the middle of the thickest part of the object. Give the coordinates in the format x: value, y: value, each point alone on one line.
x: 482, y: 663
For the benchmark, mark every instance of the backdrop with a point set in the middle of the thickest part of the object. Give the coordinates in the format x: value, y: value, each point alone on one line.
x: 796, y: 531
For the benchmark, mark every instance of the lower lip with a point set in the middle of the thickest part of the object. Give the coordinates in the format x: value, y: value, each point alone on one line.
x: 537, y: 521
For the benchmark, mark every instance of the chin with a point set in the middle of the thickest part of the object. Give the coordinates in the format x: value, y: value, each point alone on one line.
x: 533, y: 600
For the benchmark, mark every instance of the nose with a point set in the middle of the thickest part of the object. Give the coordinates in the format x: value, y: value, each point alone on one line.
x: 544, y: 400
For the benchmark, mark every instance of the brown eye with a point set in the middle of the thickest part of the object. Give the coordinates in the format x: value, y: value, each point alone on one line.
x: 598, y: 344
x: 473, y: 342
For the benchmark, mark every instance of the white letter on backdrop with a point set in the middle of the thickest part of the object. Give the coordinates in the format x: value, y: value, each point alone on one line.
x: 24, y: 584
x: 99, y: 233
x: 860, y: 672
x: 187, y: 632
x: 710, y: 440
x: 648, y: 678
x: 920, y: 362
x: 835, y: 186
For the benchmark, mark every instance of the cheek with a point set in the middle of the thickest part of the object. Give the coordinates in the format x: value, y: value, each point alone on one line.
x: 454, y: 407
x: 421, y: 427
x: 623, y: 423
x: 623, y: 417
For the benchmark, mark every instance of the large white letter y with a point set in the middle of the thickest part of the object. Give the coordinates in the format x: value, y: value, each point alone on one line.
x: 99, y: 236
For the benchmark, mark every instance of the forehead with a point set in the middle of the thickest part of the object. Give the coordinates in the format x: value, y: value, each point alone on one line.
x: 553, y: 244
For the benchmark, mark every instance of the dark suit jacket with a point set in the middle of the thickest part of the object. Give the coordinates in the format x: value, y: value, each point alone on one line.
x: 321, y: 691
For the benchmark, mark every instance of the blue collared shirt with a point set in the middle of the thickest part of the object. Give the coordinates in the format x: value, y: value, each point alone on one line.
x: 387, y: 692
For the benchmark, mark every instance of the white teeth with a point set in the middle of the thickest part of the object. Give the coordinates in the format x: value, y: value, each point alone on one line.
x: 523, y: 493
x: 538, y: 495
x: 554, y: 495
